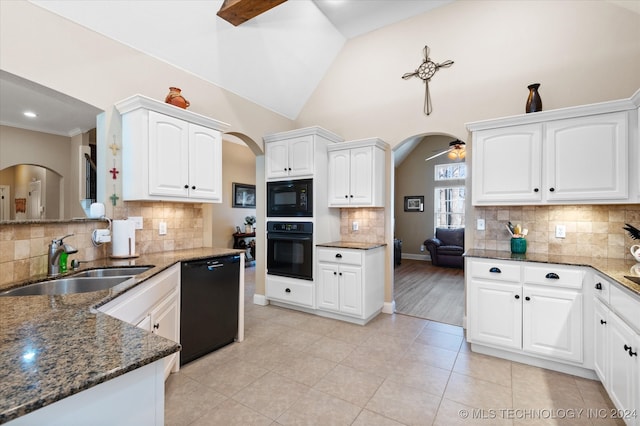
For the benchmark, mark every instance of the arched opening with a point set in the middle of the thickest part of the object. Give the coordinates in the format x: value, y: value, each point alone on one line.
x: 423, y: 201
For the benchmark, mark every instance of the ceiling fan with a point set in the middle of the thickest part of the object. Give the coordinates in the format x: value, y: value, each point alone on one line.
x: 456, y: 151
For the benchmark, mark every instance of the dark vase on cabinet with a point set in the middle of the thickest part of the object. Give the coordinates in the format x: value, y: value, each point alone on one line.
x: 534, y: 102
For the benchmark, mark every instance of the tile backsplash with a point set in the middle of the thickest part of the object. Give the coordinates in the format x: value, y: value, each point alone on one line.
x: 23, y: 247
x: 370, y: 225
x: 591, y: 230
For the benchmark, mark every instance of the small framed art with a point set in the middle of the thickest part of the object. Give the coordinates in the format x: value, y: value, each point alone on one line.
x: 414, y: 203
x: 244, y: 196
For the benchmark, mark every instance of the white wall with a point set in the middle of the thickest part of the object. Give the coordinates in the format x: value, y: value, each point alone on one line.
x: 580, y: 51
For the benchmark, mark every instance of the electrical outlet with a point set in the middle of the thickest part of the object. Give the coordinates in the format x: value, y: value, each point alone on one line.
x: 162, y: 229
x: 561, y: 231
x: 137, y: 220
x: 480, y: 225
x: 354, y: 226
x: 422, y: 247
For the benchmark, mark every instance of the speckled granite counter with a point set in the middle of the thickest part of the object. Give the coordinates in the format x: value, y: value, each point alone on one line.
x: 615, y: 269
x: 52, y: 347
x: 351, y: 245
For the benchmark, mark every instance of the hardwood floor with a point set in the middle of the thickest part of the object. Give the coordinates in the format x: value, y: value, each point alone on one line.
x: 426, y: 291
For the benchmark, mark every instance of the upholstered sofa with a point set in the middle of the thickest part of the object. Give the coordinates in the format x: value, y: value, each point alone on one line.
x: 447, y: 247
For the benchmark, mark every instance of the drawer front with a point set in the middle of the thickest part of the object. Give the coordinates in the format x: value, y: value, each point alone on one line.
x: 290, y: 291
x: 626, y: 306
x: 555, y: 276
x: 601, y: 288
x: 495, y: 270
x: 352, y: 257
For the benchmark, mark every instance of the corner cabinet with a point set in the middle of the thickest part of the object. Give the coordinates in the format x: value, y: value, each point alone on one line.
x: 357, y: 173
x: 575, y: 155
x: 169, y: 154
x: 351, y: 282
x: 296, y: 154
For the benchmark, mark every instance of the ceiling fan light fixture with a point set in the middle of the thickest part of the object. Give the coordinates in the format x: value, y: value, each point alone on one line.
x: 453, y: 155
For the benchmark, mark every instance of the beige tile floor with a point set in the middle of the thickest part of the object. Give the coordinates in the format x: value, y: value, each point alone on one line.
x: 300, y: 369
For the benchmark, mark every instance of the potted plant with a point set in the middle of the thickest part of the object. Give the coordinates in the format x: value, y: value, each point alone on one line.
x: 249, y: 221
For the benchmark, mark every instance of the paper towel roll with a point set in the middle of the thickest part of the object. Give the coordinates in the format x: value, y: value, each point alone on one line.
x: 123, y: 238
x: 96, y: 210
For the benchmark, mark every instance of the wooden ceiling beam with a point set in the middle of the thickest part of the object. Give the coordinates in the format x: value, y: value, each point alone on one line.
x: 238, y: 11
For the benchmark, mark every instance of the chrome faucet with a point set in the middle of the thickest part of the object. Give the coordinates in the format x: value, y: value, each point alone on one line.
x: 57, y: 247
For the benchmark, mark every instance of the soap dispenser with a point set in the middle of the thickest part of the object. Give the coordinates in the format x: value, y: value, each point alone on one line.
x: 63, y: 262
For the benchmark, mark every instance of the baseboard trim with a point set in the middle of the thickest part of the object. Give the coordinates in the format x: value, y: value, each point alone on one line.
x: 389, y: 307
x: 260, y: 299
x: 412, y: 256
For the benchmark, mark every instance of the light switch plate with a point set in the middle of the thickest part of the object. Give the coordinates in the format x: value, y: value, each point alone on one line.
x: 137, y: 220
x: 480, y: 225
x: 561, y: 231
x: 162, y: 229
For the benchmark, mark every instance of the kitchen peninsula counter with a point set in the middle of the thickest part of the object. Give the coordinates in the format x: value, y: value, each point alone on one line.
x: 615, y: 269
x: 52, y: 347
x: 352, y: 245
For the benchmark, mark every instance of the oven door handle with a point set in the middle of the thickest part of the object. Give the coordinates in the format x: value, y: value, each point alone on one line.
x: 297, y: 237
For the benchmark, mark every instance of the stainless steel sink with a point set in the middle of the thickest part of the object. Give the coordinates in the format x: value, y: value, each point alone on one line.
x: 113, y: 272
x: 67, y: 286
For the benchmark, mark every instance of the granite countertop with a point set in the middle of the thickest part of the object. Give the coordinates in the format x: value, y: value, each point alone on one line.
x: 52, y: 347
x: 615, y: 269
x: 352, y: 245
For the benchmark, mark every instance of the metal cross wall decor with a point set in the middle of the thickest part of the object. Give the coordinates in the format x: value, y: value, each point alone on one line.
x: 425, y: 71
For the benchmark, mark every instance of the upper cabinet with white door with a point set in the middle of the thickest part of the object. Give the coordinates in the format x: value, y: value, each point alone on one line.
x: 168, y: 153
x: 579, y: 155
x: 296, y: 154
x: 357, y: 173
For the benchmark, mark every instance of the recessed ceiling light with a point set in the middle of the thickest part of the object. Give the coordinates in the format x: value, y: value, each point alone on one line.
x: 30, y: 114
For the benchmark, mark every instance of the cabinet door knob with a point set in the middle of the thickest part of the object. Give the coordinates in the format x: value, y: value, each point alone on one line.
x: 156, y: 326
x: 186, y: 187
x: 602, y: 321
x: 340, y: 274
x: 351, y: 196
x: 552, y: 189
x: 289, y: 168
x: 630, y: 350
x: 536, y: 189
x: 339, y: 256
x: 495, y: 270
x: 517, y: 296
x: 335, y: 273
x: 527, y: 298
x: 552, y: 276
x: 287, y: 290
x: 193, y: 187
x: 599, y: 286
x: 346, y: 196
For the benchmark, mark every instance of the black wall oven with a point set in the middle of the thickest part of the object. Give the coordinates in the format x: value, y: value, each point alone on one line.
x: 291, y: 198
x: 290, y: 249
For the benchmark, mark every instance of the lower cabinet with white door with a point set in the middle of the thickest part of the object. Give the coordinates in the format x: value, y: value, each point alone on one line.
x: 617, y: 343
x: 154, y: 306
x: 350, y: 284
x: 527, y: 313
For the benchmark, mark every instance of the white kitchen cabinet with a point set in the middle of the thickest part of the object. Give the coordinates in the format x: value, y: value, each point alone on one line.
x: 154, y: 306
x: 571, y: 156
x: 290, y: 158
x: 357, y: 173
x: 600, y: 340
x: 169, y: 154
x: 507, y: 165
x: 350, y: 281
x: 532, y: 310
x: 552, y: 322
x: 300, y: 153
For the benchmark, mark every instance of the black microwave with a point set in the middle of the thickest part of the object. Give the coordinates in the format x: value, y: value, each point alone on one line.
x: 291, y: 198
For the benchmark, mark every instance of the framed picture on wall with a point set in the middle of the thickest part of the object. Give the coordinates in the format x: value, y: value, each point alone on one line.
x: 244, y: 196
x: 414, y: 203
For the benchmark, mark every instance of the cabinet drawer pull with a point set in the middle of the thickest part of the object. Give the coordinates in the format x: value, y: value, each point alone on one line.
x: 339, y: 256
x: 535, y: 190
x: 602, y: 322
x: 156, y: 326
x: 630, y: 350
x: 495, y: 270
x: 517, y: 296
x: 552, y: 189
x: 287, y: 290
x: 527, y: 298
x: 552, y: 276
x: 599, y: 286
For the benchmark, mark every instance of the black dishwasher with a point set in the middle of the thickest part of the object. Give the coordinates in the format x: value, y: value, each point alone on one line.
x: 209, y: 303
